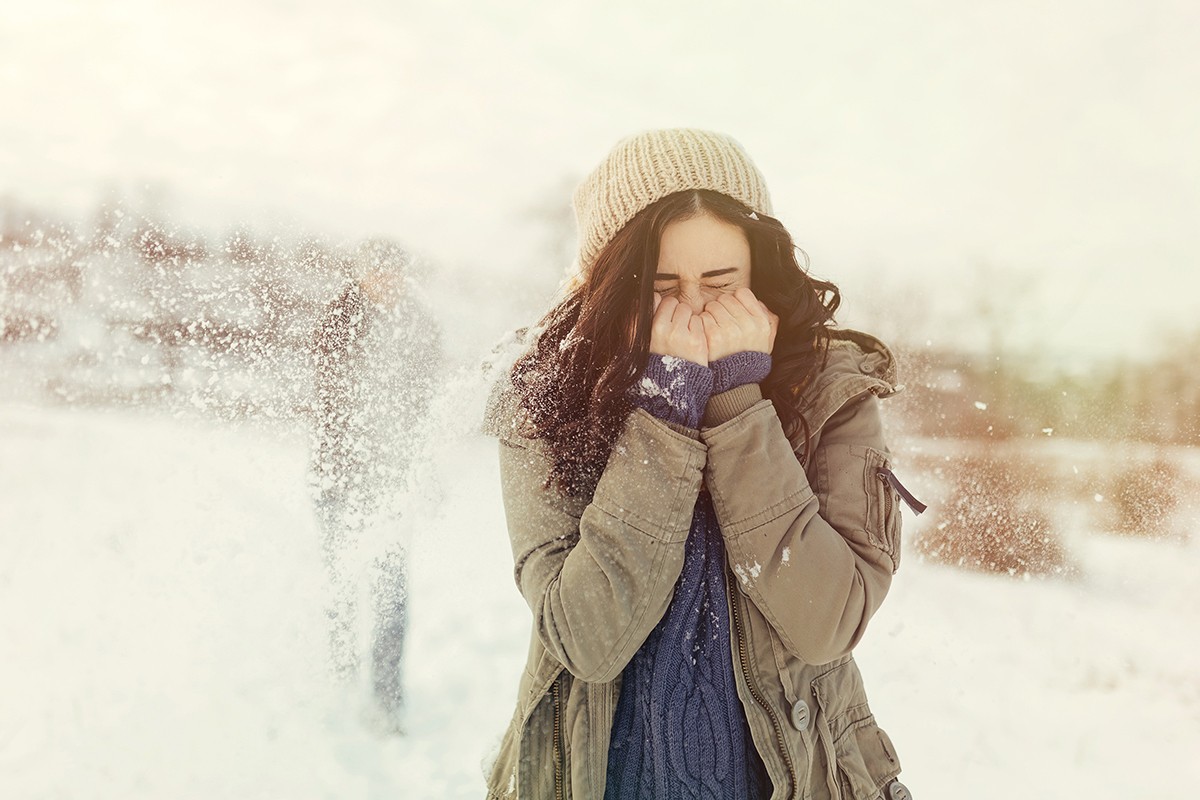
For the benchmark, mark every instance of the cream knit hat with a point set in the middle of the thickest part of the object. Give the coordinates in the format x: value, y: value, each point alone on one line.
x: 647, y: 167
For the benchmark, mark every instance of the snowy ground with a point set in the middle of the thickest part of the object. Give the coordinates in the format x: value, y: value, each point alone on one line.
x: 161, y: 601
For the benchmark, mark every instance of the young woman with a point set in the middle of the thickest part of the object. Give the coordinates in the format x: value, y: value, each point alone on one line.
x: 700, y: 502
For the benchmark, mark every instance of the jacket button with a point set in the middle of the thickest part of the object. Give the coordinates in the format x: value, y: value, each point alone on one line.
x: 867, y: 367
x: 800, y: 715
x: 897, y: 791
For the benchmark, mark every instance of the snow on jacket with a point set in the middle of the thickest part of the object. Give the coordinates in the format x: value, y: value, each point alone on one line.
x: 812, y: 546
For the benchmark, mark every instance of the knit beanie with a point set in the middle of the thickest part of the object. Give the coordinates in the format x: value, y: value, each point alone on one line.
x: 645, y: 168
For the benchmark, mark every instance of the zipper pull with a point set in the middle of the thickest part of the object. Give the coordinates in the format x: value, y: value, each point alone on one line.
x: 909, y: 500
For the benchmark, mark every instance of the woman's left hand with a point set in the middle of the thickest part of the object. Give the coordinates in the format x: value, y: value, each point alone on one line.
x: 736, y: 323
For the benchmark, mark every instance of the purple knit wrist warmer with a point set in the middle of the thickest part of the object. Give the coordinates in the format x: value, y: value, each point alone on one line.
x: 674, y: 390
x: 739, y: 369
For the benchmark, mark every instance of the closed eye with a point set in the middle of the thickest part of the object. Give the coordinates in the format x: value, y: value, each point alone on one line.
x: 712, y: 287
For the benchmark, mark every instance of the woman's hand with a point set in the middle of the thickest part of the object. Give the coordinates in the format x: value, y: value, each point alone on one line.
x: 676, y: 331
x: 736, y: 323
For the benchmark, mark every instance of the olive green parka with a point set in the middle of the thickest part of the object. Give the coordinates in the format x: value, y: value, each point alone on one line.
x: 811, y: 549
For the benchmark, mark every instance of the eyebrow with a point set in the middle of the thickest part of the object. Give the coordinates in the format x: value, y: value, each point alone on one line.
x: 712, y: 273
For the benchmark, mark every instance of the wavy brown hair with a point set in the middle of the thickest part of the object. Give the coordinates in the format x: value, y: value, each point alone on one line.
x: 573, y: 385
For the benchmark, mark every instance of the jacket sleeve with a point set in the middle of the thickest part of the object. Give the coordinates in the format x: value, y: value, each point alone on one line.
x: 598, y: 575
x: 816, y: 559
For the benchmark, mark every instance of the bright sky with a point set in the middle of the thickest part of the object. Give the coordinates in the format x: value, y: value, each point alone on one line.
x: 931, y: 156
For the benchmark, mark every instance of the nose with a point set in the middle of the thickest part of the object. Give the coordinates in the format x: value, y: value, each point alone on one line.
x: 693, y: 300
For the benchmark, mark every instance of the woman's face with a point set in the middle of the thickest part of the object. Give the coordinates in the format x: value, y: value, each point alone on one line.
x: 700, y: 258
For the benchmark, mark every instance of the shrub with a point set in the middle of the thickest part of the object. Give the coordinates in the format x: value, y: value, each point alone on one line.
x: 993, y: 522
x: 1145, y: 495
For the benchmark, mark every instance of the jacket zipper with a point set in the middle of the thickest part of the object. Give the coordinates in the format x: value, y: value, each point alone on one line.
x: 889, y: 477
x: 736, y: 618
x: 887, y: 496
x: 558, y: 749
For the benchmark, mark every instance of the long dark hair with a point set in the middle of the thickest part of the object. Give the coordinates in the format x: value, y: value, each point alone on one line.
x: 573, y: 384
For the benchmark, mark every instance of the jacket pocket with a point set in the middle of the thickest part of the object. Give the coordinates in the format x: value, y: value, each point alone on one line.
x: 883, y: 506
x: 857, y: 499
x: 860, y: 751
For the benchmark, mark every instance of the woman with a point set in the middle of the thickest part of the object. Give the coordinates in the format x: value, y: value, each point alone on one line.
x: 699, y: 498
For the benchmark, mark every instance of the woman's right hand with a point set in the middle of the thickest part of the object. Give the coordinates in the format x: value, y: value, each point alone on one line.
x: 738, y: 322
x: 676, y: 331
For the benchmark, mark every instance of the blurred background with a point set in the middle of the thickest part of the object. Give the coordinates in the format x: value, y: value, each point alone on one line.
x: 1007, y: 193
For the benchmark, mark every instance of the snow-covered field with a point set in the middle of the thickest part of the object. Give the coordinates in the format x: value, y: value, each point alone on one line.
x: 161, y: 597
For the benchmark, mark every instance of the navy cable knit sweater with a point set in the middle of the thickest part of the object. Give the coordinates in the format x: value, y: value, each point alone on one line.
x: 679, y: 730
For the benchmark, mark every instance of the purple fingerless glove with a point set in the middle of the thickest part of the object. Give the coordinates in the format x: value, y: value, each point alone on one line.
x: 739, y: 369
x: 674, y: 390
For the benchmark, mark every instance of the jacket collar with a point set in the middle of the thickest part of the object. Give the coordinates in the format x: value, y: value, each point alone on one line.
x: 857, y: 364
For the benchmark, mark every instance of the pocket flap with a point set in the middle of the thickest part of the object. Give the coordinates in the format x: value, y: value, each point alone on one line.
x: 864, y: 754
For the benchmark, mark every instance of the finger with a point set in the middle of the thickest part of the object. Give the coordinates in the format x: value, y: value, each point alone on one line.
x: 768, y: 313
x: 758, y: 316
x: 660, y: 323
x: 681, y: 313
x: 733, y: 306
x: 773, y: 327
x: 749, y: 301
x: 719, y: 313
x: 664, y: 307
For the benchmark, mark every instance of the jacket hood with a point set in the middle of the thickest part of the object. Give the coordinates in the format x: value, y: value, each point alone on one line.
x: 866, y: 355
x: 857, y: 364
